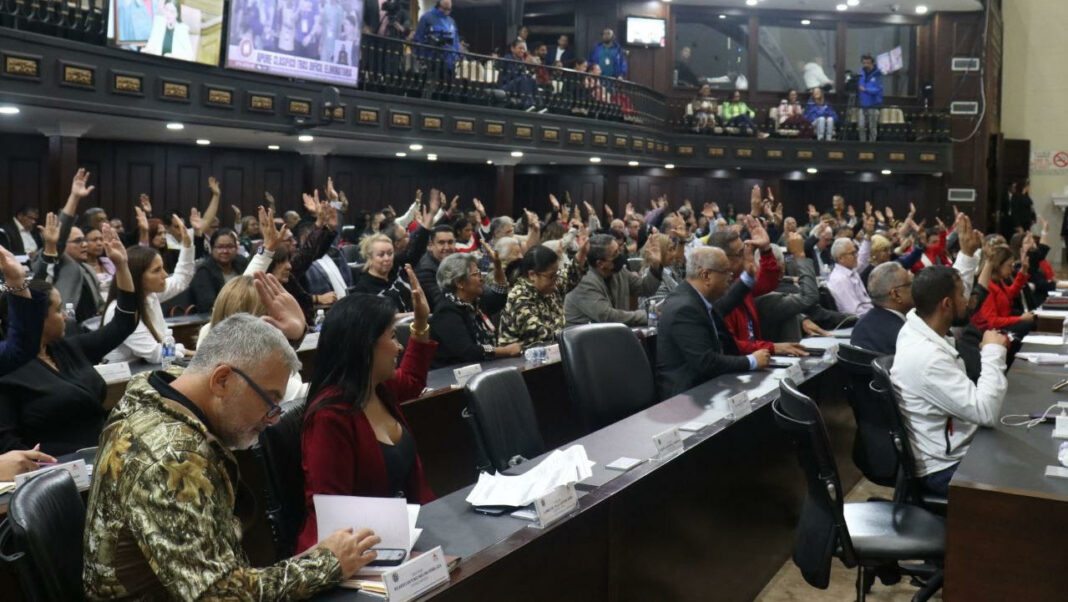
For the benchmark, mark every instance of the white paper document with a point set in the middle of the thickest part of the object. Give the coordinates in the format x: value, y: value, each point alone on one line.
x: 561, y: 467
x: 1044, y: 339
x: 820, y: 342
x: 391, y: 518
x: 1044, y: 359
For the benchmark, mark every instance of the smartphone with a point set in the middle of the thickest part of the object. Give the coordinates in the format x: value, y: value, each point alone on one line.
x: 814, y: 350
x: 389, y: 557
x: 492, y: 510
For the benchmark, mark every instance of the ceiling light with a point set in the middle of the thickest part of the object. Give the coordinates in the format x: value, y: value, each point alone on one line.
x: 841, y: 7
x: 174, y: 125
x: 723, y: 16
x: 402, y: 155
x: 415, y: 147
x: 812, y: 170
x: 305, y: 137
x: 203, y: 141
x: 431, y: 157
x: 9, y: 110
x: 886, y: 172
x: 852, y: 2
x: 806, y: 22
x: 921, y: 9
x: 489, y: 161
x: 750, y: 2
x: 517, y: 154
x: 273, y: 147
x: 595, y: 159
x: 632, y: 163
x: 669, y: 166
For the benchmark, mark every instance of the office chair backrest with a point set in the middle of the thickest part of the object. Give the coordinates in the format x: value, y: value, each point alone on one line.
x: 42, y: 537
x: 821, y: 531
x: 404, y: 330
x: 909, y: 488
x: 873, y: 450
x: 503, y: 419
x: 281, y: 454
x: 607, y: 372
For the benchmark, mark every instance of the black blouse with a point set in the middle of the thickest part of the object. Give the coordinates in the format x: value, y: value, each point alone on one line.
x: 397, y: 290
x: 400, y: 460
x: 63, y: 409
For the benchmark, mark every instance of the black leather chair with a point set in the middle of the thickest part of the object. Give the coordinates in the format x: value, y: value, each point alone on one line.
x: 404, y: 330
x: 607, y: 372
x: 502, y: 420
x: 867, y: 535
x: 908, y: 486
x: 42, y: 537
x: 873, y: 450
x: 280, y: 452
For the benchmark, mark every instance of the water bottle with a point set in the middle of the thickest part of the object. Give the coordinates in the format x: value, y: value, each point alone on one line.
x: 1064, y: 332
x: 68, y: 310
x: 320, y: 317
x: 653, y: 315
x: 542, y: 354
x: 167, y: 357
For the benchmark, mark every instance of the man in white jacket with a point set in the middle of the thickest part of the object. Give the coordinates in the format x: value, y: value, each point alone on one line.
x: 941, y: 407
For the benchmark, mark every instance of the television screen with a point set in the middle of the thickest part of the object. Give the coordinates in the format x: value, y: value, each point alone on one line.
x: 188, y: 31
x: 644, y: 31
x: 304, y: 39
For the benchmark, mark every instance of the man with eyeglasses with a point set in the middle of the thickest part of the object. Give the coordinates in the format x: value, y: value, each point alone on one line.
x: 160, y: 520
x: 890, y: 287
x: 845, y: 283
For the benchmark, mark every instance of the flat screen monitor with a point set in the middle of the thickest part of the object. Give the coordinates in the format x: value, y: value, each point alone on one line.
x: 646, y: 31
x: 302, y: 39
x: 187, y: 31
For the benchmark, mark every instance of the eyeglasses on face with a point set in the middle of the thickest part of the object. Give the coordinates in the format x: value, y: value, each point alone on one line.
x: 274, y: 410
x: 224, y: 247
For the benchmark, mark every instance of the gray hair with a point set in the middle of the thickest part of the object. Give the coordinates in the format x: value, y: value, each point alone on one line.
x: 499, y: 223
x: 884, y: 278
x: 454, y: 268
x: 599, y: 244
x: 705, y: 258
x: 839, y: 247
x: 502, y: 246
x: 242, y: 341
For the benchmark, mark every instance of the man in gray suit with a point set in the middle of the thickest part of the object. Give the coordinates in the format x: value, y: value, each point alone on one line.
x: 604, y: 293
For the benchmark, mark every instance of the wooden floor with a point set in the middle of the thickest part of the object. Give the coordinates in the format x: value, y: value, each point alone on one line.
x: 789, y: 586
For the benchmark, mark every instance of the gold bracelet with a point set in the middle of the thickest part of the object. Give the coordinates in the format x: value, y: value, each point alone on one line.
x: 419, y: 333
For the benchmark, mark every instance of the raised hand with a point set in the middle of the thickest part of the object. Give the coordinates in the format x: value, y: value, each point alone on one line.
x: 50, y: 232
x: 708, y: 211
x: 311, y: 204
x: 912, y: 208
x: 328, y: 215
x: 867, y: 208
x: 271, y: 236
x: 14, y: 275
x: 479, y: 207
x: 629, y: 209
x: 213, y: 185
x: 758, y: 236
x: 79, y: 186
x: 555, y: 203
x: 195, y: 221
x: 755, y: 200
x: 795, y: 245
x: 583, y: 242
x: 146, y: 203
x: 454, y: 205
x: 850, y: 211
x: 419, y: 195
x: 267, y: 196
x: 283, y: 311
x: 331, y: 192
x: 435, y: 203
x: 113, y: 246
x: 879, y: 216
x: 653, y: 254
x: 179, y: 226
x: 608, y: 212
x: 589, y: 208
x: 141, y: 219
x: 419, y: 302
x: 889, y: 212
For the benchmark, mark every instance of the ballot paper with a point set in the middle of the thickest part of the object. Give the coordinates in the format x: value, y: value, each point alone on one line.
x: 1044, y: 359
x: 558, y: 468
x: 391, y: 518
x: 78, y: 470
x: 1044, y: 339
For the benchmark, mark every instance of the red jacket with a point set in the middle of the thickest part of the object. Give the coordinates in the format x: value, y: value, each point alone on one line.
x: 996, y: 311
x: 738, y: 320
x: 933, y: 255
x: 1047, y: 270
x: 341, y: 455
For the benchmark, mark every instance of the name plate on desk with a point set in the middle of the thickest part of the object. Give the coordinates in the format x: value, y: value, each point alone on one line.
x: 831, y: 355
x: 739, y: 405
x: 668, y: 443
x: 552, y: 353
x: 119, y: 372
x: 556, y: 504
x: 311, y: 341
x: 465, y: 373
x: 416, y: 577
x: 794, y: 373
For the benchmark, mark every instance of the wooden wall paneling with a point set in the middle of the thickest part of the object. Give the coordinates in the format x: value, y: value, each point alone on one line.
x: 22, y: 172
x: 134, y: 169
x: 187, y: 171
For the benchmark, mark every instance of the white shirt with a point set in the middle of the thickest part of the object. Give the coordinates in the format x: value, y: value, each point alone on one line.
x: 815, y: 77
x: 942, y: 407
x: 337, y: 281
x: 848, y: 291
x: 29, y: 245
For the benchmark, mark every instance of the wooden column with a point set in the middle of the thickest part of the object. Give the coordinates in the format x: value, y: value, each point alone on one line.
x: 504, y: 200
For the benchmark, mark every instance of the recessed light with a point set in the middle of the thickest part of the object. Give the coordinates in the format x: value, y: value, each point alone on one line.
x: 806, y: 22
x: 305, y: 137
x: 852, y: 2
x: 723, y: 16
x: 750, y: 2
x: 489, y: 161
x: 517, y: 154
x: 812, y: 170
x: 273, y: 147
x: 9, y: 110
x: 431, y: 157
x: 632, y: 163
x: 921, y: 9
x: 886, y: 172
x: 174, y: 125
x: 415, y: 147
x: 203, y: 141
x: 669, y: 166
x: 841, y: 7
x: 595, y: 159
x: 402, y: 155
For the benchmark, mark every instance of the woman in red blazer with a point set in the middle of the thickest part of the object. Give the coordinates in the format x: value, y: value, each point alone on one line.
x: 355, y: 439
x: 996, y: 311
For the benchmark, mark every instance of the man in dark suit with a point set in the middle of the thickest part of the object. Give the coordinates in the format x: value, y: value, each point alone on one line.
x: 890, y: 288
x: 818, y: 248
x: 792, y: 311
x: 20, y: 235
x: 562, y: 55
x: 693, y: 343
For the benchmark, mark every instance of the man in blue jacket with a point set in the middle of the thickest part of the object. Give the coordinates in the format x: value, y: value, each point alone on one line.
x: 609, y: 55
x: 436, y: 28
x: 870, y: 95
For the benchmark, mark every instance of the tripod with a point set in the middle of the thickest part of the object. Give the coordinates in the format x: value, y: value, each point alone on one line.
x: 853, y: 129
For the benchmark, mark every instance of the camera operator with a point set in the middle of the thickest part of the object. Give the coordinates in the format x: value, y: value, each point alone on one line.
x: 436, y: 28
x: 870, y: 95
x: 387, y: 18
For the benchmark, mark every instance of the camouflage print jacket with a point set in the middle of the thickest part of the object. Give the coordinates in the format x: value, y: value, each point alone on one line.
x: 160, y: 522
x: 530, y: 318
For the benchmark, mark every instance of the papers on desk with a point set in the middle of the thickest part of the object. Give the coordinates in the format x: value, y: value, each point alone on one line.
x: 842, y: 333
x: 561, y: 467
x: 391, y: 518
x: 119, y: 372
x: 1044, y: 359
x: 820, y: 342
x: 311, y: 341
x: 1043, y: 339
x: 1058, y: 314
x: 6, y: 487
x: 77, y: 469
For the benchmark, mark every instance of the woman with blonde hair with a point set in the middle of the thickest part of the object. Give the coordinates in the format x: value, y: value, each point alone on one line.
x: 377, y: 251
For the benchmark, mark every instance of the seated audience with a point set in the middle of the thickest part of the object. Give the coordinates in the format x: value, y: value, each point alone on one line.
x: 160, y: 522
x: 736, y: 113
x: 377, y: 251
x: 460, y: 323
x: 818, y: 248
x: 882, y: 251
x: 214, y: 271
x: 280, y: 257
x: 890, y: 288
x: 792, y: 115
x: 844, y: 282
x: 821, y: 115
x: 355, y: 440
x: 942, y: 408
x: 534, y: 313
x: 784, y: 312
x: 25, y: 316
x: 152, y: 286
x: 604, y: 293
x: 56, y: 400
x: 251, y: 235
x: 693, y: 341
x: 996, y: 311
x: 673, y: 253
x: 442, y: 244
x: 21, y: 235
x: 97, y: 260
x: 704, y: 110
x: 516, y: 78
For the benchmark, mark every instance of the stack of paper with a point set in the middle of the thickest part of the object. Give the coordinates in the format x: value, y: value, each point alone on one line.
x: 78, y: 470
x: 1043, y: 339
x: 558, y: 468
x: 1044, y: 359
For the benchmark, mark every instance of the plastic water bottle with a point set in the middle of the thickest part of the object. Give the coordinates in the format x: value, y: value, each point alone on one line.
x: 1064, y: 331
x: 68, y: 309
x: 654, y: 315
x: 167, y: 358
x: 320, y: 317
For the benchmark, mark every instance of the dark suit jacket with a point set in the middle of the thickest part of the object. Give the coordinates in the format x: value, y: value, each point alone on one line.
x: 690, y: 348
x: 781, y: 311
x: 568, y: 58
x: 12, y: 240
x: 811, y: 251
x: 877, y: 331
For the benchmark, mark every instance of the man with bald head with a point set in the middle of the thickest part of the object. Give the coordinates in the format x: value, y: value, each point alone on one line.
x: 890, y: 288
x: 693, y: 342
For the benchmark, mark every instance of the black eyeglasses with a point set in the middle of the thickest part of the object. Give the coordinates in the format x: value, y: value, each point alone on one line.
x: 274, y: 410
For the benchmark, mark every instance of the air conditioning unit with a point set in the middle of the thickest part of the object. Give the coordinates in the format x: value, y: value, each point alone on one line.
x: 964, y: 64
x: 961, y: 195
x: 970, y: 107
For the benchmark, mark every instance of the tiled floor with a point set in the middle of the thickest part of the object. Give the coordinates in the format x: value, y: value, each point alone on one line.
x: 789, y: 586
